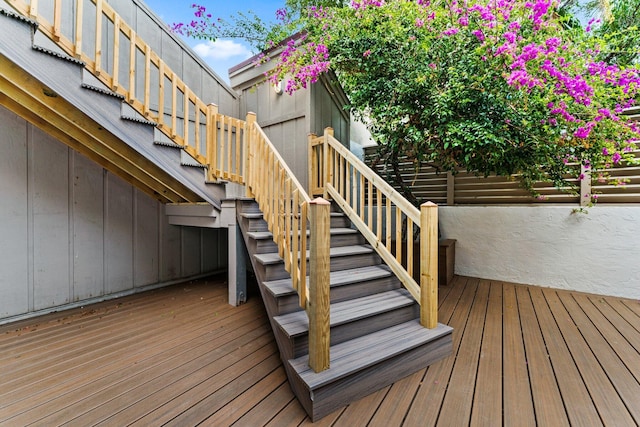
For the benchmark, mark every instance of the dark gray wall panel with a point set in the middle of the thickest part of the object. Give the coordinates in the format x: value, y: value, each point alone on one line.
x: 119, y: 233
x: 147, y: 249
x: 14, y: 266
x: 88, y: 228
x: 191, y: 251
x: 170, y: 249
x: 214, y: 249
x: 49, y: 191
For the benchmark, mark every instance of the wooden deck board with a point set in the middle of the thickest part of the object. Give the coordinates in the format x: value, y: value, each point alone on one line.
x: 487, y: 400
x: 182, y: 356
x: 580, y: 407
x: 458, y: 401
x: 547, y: 400
x: 518, y: 403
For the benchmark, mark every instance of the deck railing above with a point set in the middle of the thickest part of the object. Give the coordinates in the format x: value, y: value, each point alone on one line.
x: 385, y: 218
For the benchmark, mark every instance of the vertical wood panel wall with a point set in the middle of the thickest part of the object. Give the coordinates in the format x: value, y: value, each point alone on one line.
x: 72, y: 231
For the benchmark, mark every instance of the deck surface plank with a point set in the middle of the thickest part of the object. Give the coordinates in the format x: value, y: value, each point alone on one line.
x: 517, y: 402
x: 522, y: 356
x: 547, y: 400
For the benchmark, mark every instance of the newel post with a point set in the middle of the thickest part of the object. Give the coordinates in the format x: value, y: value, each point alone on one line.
x: 429, y: 265
x: 212, y: 136
x: 314, y: 178
x: 247, y: 153
x: 327, y: 174
x: 318, y: 306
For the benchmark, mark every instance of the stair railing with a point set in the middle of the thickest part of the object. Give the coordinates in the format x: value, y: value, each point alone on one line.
x: 127, y: 65
x: 232, y: 149
x: 383, y: 216
x: 287, y: 209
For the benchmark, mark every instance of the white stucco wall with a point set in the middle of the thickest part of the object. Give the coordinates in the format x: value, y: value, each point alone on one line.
x: 549, y: 246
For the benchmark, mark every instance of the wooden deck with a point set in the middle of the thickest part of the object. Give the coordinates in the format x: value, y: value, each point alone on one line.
x: 182, y: 356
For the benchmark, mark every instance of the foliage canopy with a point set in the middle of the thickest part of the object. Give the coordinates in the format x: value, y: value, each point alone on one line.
x: 501, y: 86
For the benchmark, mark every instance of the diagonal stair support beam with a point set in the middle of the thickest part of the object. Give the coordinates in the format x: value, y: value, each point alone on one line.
x: 44, y: 108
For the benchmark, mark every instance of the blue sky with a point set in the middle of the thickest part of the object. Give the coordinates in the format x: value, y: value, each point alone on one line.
x: 222, y: 54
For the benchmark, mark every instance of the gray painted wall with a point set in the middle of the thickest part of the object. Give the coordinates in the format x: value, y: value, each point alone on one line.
x: 289, y: 119
x: 72, y: 231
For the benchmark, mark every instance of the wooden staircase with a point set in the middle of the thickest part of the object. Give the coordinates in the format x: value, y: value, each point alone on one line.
x: 376, y: 331
x: 376, y: 337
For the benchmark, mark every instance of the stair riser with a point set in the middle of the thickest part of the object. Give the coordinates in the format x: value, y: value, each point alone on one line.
x: 277, y: 271
x: 251, y: 224
x: 263, y: 246
x: 289, y: 303
x: 353, y: 387
x: 299, y: 345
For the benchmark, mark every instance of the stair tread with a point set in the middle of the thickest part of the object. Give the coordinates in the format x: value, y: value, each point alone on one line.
x: 264, y: 235
x: 274, y: 258
x: 297, y: 322
x: 251, y: 215
x: 283, y: 287
x: 360, y: 353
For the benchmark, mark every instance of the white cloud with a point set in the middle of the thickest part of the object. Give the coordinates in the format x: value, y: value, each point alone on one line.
x: 222, y: 50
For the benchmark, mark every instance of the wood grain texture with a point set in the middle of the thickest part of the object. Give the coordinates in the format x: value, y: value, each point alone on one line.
x: 69, y: 365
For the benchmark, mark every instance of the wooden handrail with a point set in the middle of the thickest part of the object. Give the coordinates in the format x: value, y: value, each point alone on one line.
x: 186, y: 112
x: 233, y: 149
x: 287, y: 209
x: 370, y: 202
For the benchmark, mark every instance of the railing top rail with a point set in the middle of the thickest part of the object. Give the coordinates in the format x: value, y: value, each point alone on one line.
x: 411, y: 211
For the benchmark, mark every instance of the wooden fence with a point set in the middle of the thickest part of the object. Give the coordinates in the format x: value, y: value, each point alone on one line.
x: 445, y: 188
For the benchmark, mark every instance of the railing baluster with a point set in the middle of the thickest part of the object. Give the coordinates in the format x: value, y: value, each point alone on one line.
x: 147, y: 84
x: 116, y: 53
x: 33, y: 9
x: 370, y: 203
x: 185, y: 120
x: 212, y: 136
x: 410, y: 247
x: 227, y: 169
x: 97, y: 65
x: 174, y: 106
x: 388, y: 230
x: 57, y: 19
x: 133, y: 49
x: 398, y: 235
x: 378, y: 214
x: 302, y: 290
x: 161, y: 76
x: 196, y: 128
x: 295, y: 237
x: 77, y: 45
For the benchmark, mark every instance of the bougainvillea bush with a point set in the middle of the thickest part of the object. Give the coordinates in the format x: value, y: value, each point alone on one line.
x: 496, y: 87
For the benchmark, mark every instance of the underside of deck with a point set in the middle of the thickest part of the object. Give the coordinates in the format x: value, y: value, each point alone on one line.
x: 182, y: 356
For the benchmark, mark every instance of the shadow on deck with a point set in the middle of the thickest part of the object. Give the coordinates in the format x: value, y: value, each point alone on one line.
x: 523, y: 355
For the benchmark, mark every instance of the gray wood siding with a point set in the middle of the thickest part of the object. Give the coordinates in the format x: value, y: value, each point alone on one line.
x: 14, y: 247
x: 289, y: 119
x: 73, y: 231
x: 180, y: 58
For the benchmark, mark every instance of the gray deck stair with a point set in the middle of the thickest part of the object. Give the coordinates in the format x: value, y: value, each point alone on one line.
x: 350, y: 319
x: 345, y: 284
x: 376, y: 338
